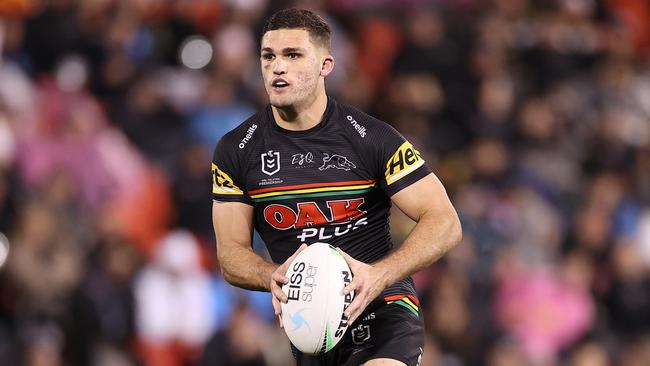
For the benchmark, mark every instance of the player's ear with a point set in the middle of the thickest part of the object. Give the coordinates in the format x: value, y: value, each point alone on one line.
x: 327, y: 66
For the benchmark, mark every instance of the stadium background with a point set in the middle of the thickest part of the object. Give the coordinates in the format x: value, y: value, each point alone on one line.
x: 535, y: 115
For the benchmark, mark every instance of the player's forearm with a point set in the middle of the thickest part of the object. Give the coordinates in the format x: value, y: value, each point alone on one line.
x: 243, y: 268
x: 431, y: 238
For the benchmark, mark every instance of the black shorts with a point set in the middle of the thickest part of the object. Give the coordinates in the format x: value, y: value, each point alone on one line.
x: 390, y: 327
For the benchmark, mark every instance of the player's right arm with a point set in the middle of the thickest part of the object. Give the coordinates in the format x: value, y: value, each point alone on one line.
x: 233, y: 217
x: 233, y: 221
x: 240, y: 265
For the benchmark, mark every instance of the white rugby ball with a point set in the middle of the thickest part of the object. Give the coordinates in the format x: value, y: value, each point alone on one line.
x: 313, y: 315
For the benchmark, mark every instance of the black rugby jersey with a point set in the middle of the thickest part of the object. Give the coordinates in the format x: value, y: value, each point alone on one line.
x: 331, y: 183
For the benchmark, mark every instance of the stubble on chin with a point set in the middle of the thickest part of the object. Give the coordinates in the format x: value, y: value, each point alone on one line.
x: 280, y: 102
x: 276, y: 100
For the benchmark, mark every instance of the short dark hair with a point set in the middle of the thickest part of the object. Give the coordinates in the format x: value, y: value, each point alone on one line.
x: 318, y: 30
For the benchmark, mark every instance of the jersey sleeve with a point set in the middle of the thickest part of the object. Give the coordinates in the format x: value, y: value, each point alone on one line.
x: 400, y: 163
x: 227, y: 184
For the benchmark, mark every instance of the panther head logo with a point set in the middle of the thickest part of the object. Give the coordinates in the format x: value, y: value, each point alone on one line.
x: 336, y: 161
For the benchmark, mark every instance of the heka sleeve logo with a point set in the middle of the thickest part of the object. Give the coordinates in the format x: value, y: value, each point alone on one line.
x: 404, y: 161
x: 222, y: 183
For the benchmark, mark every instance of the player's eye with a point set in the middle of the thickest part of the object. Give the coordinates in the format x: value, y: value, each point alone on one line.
x: 268, y: 56
x: 293, y: 55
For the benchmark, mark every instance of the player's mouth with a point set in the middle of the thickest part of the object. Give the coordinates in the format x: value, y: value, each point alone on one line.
x: 279, y: 84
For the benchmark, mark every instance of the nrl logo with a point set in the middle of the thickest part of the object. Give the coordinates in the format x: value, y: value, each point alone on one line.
x: 360, y: 334
x: 336, y: 161
x: 270, y: 162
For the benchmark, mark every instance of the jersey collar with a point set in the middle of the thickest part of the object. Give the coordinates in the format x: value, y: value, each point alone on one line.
x: 303, y: 133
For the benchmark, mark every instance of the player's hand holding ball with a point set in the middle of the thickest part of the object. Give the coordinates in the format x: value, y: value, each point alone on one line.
x: 368, y: 282
x: 278, y: 279
x: 313, y: 317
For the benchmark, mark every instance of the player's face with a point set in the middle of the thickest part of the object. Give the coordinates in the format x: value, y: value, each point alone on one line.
x: 291, y: 66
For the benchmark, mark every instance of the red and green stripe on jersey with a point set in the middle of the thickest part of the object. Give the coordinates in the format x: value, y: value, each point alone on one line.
x: 406, y: 300
x: 312, y: 190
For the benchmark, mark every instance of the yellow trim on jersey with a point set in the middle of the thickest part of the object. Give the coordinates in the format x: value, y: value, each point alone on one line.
x: 406, y: 300
x: 404, y: 161
x: 222, y: 183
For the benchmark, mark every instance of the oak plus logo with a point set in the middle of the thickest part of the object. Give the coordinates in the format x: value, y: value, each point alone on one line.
x: 270, y: 162
x: 339, y: 218
x: 308, y: 214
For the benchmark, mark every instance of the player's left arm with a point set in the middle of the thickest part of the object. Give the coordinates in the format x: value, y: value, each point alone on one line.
x: 437, y: 231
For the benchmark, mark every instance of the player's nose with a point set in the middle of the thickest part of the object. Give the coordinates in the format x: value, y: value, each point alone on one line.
x: 279, y: 66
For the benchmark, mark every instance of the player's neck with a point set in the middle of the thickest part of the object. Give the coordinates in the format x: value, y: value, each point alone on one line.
x: 302, y: 117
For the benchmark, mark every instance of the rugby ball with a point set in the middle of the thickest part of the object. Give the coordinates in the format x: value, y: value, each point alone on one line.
x: 313, y: 315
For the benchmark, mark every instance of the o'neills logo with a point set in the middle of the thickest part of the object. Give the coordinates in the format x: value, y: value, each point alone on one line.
x: 249, y: 134
x: 360, y: 129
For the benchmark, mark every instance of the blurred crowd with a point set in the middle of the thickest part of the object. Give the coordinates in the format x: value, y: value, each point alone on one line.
x: 534, y: 114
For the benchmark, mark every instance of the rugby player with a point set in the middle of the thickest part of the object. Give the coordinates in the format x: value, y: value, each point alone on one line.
x: 309, y: 169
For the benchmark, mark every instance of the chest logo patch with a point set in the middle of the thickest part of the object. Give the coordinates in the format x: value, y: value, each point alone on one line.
x: 336, y: 161
x: 300, y: 159
x: 271, y: 162
x: 308, y: 214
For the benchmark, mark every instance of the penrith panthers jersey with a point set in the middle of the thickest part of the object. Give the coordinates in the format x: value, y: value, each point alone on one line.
x: 331, y: 183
